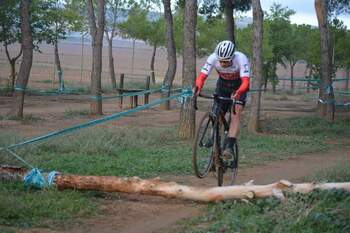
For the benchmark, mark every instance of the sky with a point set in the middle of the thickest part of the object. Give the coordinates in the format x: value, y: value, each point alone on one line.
x: 305, y: 11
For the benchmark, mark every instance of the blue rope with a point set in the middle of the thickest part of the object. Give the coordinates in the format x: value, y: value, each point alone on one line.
x: 94, y: 122
x: 96, y: 98
x: 35, y: 179
x: 18, y: 157
x: 20, y: 88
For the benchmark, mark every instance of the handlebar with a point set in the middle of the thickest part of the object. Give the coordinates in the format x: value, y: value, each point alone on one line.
x: 215, y: 97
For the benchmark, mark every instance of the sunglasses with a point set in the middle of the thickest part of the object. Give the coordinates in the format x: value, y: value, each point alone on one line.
x: 225, y: 62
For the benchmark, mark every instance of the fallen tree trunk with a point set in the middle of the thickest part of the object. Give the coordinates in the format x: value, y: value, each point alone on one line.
x: 174, y: 190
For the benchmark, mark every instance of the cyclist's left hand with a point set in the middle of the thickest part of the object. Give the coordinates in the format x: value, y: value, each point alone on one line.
x: 235, y: 96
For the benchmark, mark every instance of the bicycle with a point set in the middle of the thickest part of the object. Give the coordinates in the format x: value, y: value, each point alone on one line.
x: 210, y: 140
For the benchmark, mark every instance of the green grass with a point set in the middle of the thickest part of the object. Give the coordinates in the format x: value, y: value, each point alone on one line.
x: 24, y: 208
x: 27, y: 119
x: 70, y: 113
x: 319, y: 211
x: 148, y: 152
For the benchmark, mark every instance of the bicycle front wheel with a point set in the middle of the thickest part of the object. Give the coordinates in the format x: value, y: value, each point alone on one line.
x: 231, y: 168
x: 202, y: 158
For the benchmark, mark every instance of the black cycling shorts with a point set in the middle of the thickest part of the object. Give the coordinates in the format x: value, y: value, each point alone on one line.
x: 225, y: 88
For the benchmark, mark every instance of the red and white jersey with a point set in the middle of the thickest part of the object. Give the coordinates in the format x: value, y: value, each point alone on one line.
x: 239, y: 67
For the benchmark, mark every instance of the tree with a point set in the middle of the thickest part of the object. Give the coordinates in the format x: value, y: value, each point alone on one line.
x: 96, y: 32
x: 313, y: 53
x: 113, y: 10
x: 341, y: 47
x: 335, y: 8
x: 342, y: 51
x: 10, y: 33
x: 296, y: 49
x: 140, y: 26
x: 253, y: 125
x: 59, y: 20
x: 214, y: 9
x: 27, y: 60
x: 187, y: 115
x: 326, y: 93
x: 170, y: 74
x: 280, y: 31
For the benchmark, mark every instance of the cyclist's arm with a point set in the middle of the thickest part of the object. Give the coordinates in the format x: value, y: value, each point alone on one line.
x: 205, y: 71
x: 244, y: 75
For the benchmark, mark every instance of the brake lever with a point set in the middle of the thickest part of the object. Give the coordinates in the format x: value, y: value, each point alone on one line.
x: 234, y: 106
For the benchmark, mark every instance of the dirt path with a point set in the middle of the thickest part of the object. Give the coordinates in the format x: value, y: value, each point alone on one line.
x: 137, y: 213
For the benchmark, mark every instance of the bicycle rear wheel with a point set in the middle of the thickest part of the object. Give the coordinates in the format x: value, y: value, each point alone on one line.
x: 202, y: 158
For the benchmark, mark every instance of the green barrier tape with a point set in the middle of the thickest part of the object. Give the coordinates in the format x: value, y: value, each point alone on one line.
x: 94, y: 122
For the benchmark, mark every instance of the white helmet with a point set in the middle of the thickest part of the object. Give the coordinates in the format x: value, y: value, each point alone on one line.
x: 225, y: 50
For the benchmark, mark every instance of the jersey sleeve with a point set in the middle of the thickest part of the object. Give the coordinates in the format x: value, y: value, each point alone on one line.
x: 209, y: 64
x: 244, y: 66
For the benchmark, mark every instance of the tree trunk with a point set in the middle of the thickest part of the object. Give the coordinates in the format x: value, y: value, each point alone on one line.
x: 13, y: 76
x: 170, y: 74
x: 96, y: 32
x: 156, y: 187
x: 292, y: 64
x: 265, y: 84
x: 153, y: 58
x: 59, y: 68
x: 326, y: 94
x: 230, y: 25
x: 253, y: 125
x: 12, y: 62
x: 347, y: 78
x: 188, y: 113
x: 27, y: 60
x: 111, y: 62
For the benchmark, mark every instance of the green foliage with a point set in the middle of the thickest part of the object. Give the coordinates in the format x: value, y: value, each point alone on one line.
x: 50, y: 21
x: 58, y: 19
x: 337, y: 7
x: 139, y: 26
x: 280, y: 30
x: 214, y: 9
x: 341, y: 40
x: 10, y: 30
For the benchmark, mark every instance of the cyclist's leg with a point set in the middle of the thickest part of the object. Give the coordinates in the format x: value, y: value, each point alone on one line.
x: 235, y: 118
x: 234, y: 127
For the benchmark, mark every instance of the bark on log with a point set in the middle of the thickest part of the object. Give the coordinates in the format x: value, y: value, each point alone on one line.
x: 173, y: 190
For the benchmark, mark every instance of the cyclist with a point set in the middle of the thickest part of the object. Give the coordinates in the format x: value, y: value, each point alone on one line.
x: 234, y: 70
